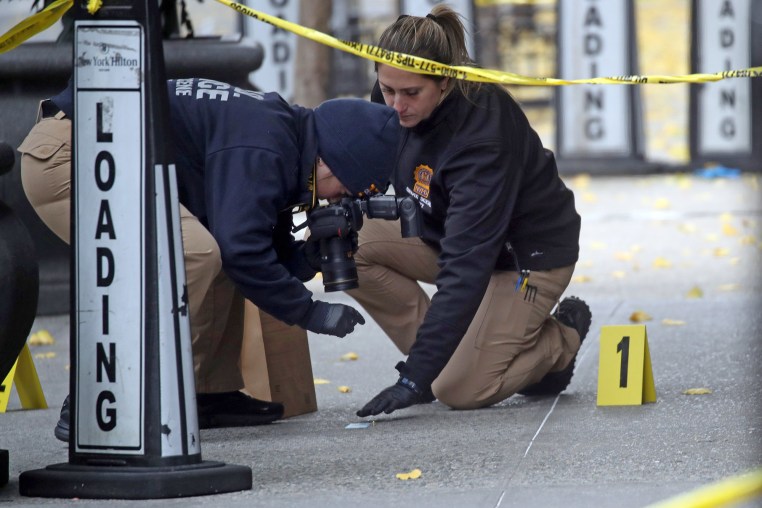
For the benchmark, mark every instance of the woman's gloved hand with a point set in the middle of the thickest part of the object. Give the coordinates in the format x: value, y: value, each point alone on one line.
x: 404, y: 393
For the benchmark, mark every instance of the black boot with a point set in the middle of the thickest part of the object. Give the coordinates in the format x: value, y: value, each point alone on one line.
x: 235, y: 409
x: 62, y: 427
x: 573, y: 313
x: 228, y: 409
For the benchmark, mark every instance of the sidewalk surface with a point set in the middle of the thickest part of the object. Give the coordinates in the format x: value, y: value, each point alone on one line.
x: 682, y: 249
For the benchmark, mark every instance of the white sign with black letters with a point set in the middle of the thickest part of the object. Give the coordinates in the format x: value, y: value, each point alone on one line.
x: 109, y: 236
x: 594, y: 119
x: 724, y: 107
x: 277, y: 71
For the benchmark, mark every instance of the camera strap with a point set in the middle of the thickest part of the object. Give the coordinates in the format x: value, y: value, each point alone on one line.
x: 297, y: 228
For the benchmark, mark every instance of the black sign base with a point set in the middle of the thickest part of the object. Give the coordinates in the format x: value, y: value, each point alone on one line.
x: 116, y: 482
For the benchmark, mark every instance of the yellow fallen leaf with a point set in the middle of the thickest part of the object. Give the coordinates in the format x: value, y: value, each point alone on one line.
x: 618, y: 274
x: 319, y: 381
x: 581, y: 181
x: 687, y: 228
x: 720, y: 252
x: 662, y: 204
x: 344, y: 389
x: 697, y: 391
x: 597, y: 245
x: 729, y: 230
x: 729, y: 287
x: 711, y: 237
x: 589, y: 197
x: 412, y: 475
x: 726, y: 217
x: 694, y: 292
x: 661, y: 262
x: 748, y: 240
x: 49, y: 354
x: 684, y: 181
x: 41, y: 338
x: 734, y: 261
x: 349, y: 357
x: 672, y: 322
x: 636, y: 248
x: 623, y: 256
x: 581, y: 278
x: 681, y: 153
x: 639, y: 316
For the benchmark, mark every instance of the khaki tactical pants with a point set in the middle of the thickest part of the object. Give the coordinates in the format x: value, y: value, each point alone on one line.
x: 216, y: 308
x: 512, y: 341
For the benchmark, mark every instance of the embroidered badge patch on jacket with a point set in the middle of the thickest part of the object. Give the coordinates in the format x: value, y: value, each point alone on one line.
x: 422, y: 176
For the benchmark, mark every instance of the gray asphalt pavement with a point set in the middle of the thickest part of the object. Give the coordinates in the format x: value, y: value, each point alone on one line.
x: 681, y: 251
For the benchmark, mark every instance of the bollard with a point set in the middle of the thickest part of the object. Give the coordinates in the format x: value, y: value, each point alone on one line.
x: 134, y: 428
x: 19, y: 278
x: 4, y: 466
x: 19, y: 289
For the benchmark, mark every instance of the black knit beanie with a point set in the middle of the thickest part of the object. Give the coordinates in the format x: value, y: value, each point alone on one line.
x: 358, y: 141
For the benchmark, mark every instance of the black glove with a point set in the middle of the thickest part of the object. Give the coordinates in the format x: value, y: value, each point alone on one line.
x: 404, y: 393
x: 300, y: 260
x: 332, y: 319
x: 311, y: 253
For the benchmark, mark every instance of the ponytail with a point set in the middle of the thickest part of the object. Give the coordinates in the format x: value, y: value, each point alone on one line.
x: 439, y: 36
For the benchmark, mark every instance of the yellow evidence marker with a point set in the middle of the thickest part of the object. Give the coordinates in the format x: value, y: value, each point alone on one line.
x: 24, y: 376
x: 625, y: 377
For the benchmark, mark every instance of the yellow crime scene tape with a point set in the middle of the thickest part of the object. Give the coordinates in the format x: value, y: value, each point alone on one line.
x: 33, y: 25
x: 489, y: 3
x: 44, y: 19
x: 424, y: 66
x: 725, y: 492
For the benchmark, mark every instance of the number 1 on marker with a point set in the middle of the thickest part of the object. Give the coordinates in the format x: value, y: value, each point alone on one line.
x: 624, y: 348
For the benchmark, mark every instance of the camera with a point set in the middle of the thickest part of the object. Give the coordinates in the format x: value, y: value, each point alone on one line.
x: 335, y: 227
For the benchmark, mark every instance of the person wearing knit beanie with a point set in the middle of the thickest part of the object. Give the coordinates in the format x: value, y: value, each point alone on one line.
x: 246, y: 161
x: 353, y: 140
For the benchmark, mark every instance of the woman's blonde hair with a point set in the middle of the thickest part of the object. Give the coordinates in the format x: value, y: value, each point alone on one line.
x: 438, y: 36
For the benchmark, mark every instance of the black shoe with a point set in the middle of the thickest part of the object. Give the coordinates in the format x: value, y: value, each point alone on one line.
x: 230, y: 409
x: 235, y: 409
x: 62, y: 427
x: 574, y: 313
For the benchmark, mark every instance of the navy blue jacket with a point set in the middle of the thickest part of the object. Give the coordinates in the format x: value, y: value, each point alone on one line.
x: 244, y: 162
x: 483, y: 181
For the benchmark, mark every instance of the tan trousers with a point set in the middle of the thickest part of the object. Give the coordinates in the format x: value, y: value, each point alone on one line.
x: 512, y: 341
x: 216, y: 308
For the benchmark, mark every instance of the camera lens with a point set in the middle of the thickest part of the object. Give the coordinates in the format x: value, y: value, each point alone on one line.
x: 337, y: 264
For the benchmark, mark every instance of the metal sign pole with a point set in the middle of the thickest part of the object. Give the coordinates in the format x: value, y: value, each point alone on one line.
x: 133, y: 410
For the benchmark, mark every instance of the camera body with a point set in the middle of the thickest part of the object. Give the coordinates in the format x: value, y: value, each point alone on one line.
x: 336, y: 227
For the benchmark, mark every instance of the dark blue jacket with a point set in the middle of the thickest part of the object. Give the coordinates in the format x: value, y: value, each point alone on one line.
x: 244, y: 162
